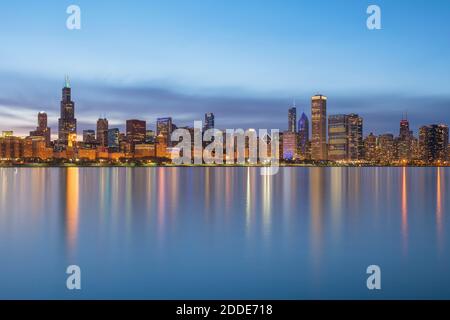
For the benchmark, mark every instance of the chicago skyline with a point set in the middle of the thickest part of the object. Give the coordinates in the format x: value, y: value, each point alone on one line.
x: 334, y: 137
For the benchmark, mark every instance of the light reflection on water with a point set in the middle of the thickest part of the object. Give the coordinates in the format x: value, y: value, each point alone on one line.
x: 224, y: 232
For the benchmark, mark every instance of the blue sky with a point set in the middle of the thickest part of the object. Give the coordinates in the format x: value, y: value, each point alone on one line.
x: 243, y: 60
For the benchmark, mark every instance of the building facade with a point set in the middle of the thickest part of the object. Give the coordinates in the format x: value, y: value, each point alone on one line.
x: 319, y: 127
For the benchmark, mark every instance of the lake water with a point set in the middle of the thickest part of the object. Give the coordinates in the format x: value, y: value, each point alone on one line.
x: 224, y: 233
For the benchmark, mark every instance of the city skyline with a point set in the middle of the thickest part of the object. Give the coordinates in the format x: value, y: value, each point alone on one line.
x: 334, y: 137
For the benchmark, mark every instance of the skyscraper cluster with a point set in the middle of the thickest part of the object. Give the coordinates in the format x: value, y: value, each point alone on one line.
x: 339, y: 138
x: 336, y: 138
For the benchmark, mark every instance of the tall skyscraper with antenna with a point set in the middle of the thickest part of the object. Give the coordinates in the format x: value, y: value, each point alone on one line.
x: 67, y: 124
x: 292, y: 118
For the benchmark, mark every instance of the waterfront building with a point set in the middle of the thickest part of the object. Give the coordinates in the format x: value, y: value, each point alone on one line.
x: 67, y: 123
x: 136, y: 131
x: 303, y: 137
x: 338, y: 146
x: 433, y: 143
x: 102, y: 132
x: 42, y: 130
x: 385, y: 148
x: 355, y: 137
x: 290, y: 145
x: 165, y: 128
x: 319, y: 127
x: 292, y: 119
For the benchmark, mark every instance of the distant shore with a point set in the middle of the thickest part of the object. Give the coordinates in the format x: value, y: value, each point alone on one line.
x: 283, y: 165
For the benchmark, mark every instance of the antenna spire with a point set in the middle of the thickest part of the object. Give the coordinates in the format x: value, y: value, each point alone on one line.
x: 67, y: 82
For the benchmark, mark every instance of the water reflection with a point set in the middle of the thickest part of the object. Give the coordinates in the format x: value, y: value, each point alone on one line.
x: 404, y: 209
x: 439, y: 189
x: 72, y: 207
x: 178, y: 228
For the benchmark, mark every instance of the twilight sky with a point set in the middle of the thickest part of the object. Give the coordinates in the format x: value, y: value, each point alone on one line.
x: 244, y: 60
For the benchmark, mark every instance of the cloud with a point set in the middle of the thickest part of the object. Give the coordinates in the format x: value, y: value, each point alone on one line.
x: 23, y: 96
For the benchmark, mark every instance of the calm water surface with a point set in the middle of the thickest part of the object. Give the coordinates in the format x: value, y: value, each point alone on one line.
x: 188, y: 233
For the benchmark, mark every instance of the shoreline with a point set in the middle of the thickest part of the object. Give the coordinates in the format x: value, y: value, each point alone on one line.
x: 210, y: 166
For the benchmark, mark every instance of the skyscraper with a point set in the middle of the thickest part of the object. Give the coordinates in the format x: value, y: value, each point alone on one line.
x: 404, y: 141
x: 113, y: 139
x: 338, y: 142
x: 209, y: 121
x: 42, y: 130
x: 164, y: 127
x: 303, y: 137
x: 433, y: 143
x: 355, y: 137
x: 385, y: 148
x: 292, y: 119
x: 370, y: 147
x: 289, y: 145
x: 136, y: 131
x: 319, y: 127
x: 67, y: 124
x: 89, y: 136
x: 102, y: 132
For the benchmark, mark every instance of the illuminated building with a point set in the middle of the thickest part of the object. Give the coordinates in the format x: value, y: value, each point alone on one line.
x: 338, y: 137
x: 35, y: 147
x: 142, y: 151
x: 355, y: 137
x: 303, y: 137
x: 385, y: 148
x: 11, y: 147
x: 164, y: 127
x: 370, y: 148
x: 161, y: 146
x: 7, y: 134
x: 89, y: 137
x: 102, y: 132
x: 136, y: 131
x: 292, y: 119
x: 433, y: 143
x: 404, y: 148
x: 102, y: 153
x: 289, y: 145
x: 72, y: 140
x: 319, y: 127
x: 113, y: 139
x: 67, y: 124
x: 42, y: 130
x: 87, y: 154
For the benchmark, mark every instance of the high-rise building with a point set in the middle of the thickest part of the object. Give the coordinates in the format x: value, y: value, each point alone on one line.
x: 102, y: 132
x: 433, y: 143
x: 164, y: 127
x: 319, y: 127
x: 303, y: 137
x: 289, y: 145
x: 161, y: 146
x: 67, y: 124
x: 136, y: 131
x: 355, y: 137
x: 385, y: 148
x: 113, y: 139
x: 42, y: 130
x: 338, y: 142
x: 292, y: 119
x: 370, y: 147
x: 209, y: 121
x: 89, y: 137
x: 404, y: 147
